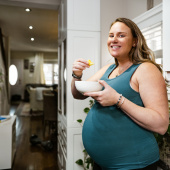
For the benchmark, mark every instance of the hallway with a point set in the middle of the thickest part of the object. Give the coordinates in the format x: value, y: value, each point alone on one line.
x: 30, y: 157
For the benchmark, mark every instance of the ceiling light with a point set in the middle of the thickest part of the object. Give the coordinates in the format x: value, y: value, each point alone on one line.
x: 27, y: 9
x: 32, y: 39
x: 30, y: 27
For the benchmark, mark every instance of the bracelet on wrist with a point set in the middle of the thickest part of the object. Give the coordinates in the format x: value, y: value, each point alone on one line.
x: 119, y: 100
x: 121, y: 103
x: 77, y: 77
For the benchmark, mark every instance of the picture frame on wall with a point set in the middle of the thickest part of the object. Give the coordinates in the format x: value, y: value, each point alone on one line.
x: 149, y: 4
x: 26, y: 64
x: 32, y: 65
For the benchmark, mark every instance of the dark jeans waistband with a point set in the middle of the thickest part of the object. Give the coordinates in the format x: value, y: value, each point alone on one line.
x: 149, y: 167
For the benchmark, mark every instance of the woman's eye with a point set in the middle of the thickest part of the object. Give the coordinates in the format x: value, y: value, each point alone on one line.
x: 121, y: 36
x: 111, y: 36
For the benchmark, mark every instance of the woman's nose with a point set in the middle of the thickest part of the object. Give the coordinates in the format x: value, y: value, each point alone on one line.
x: 114, y: 39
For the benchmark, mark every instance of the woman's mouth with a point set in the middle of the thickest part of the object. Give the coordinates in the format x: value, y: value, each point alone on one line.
x: 115, y: 46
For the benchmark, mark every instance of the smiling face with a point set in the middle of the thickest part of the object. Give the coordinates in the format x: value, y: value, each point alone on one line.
x: 120, y: 41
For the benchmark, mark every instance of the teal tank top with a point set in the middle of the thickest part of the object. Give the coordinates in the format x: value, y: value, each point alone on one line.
x: 111, y: 138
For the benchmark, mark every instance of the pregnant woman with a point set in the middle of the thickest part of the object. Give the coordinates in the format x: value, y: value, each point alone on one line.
x: 118, y: 130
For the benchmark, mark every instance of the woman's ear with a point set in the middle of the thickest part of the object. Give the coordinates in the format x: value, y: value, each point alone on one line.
x: 135, y: 42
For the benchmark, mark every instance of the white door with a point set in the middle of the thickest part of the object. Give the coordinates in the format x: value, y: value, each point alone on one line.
x: 17, y: 89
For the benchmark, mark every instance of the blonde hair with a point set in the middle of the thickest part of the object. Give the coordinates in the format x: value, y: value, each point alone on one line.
x: 141, y: 52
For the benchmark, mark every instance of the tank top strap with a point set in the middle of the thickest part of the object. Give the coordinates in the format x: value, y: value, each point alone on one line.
x: 129, y: 72
x: 110, y: 69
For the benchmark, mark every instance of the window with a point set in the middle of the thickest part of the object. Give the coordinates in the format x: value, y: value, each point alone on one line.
x: 153, y: 36
x: 51, y: 73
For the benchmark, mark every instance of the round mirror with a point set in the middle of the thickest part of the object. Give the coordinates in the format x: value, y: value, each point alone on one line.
x: 13, y: 75
x: 65, y: 74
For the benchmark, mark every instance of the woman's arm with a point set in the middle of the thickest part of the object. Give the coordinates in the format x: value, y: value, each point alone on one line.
x: 78, y: 67
x: 151, y: 84
x: 152, y: 88
x: 76, y: 94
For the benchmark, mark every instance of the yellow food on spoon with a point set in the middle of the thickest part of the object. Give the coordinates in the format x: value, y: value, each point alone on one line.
x: 90, y: 63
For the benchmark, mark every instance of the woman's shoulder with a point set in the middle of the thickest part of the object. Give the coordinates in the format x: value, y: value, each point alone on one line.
x: 148, y: 70
x: 147, y: 75
x: 147, y: 67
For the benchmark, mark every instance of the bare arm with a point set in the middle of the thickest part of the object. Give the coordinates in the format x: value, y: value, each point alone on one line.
x: 78, y: 67
x: 152, y: 88
x: 76, y: 94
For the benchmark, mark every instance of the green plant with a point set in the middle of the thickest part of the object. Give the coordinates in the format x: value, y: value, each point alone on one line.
x: 163, y: 138
x: 87, y: 162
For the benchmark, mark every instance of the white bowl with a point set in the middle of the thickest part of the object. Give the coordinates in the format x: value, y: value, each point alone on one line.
x: 88, y: 86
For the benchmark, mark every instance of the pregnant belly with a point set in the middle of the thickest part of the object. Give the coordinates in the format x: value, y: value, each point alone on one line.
x: 103, y: 140
x: 110, y: 140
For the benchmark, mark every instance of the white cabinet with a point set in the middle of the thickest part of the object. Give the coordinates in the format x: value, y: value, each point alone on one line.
x: 62, y: 146
x: 7, y: 142
x: 79, y: 37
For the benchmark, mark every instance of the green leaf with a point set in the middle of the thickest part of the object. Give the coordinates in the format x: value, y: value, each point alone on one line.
x: 79, y: 120
x: 91, y: 103
x: 79, y: 162
x: 159, y: 139
x: 86, y: 110
x: 84, y: 151
x: 89, y: 160
x: 87, y: 166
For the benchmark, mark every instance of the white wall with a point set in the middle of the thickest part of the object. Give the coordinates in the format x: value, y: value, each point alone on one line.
x: 157, y: 2
x: 135, y: 8
x: 109, y: 12
x: 27, y: 77
x: 114, y: 9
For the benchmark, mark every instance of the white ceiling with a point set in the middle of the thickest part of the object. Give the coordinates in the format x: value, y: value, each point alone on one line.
x: 14, y: 23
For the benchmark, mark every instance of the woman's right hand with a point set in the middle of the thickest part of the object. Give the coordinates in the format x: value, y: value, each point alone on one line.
x: 79, y: 65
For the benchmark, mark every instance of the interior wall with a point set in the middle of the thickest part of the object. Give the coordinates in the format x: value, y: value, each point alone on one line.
x: 135, y: 8
x: 157, y: 2
x: 109, y: 12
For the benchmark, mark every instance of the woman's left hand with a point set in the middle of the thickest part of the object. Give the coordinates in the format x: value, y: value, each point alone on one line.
x: 106, y: 97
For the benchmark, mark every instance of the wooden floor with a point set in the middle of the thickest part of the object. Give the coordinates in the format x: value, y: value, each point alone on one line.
x: 30, y: 157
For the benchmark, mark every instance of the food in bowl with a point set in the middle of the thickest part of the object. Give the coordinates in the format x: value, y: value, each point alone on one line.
x: 88, y: 86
